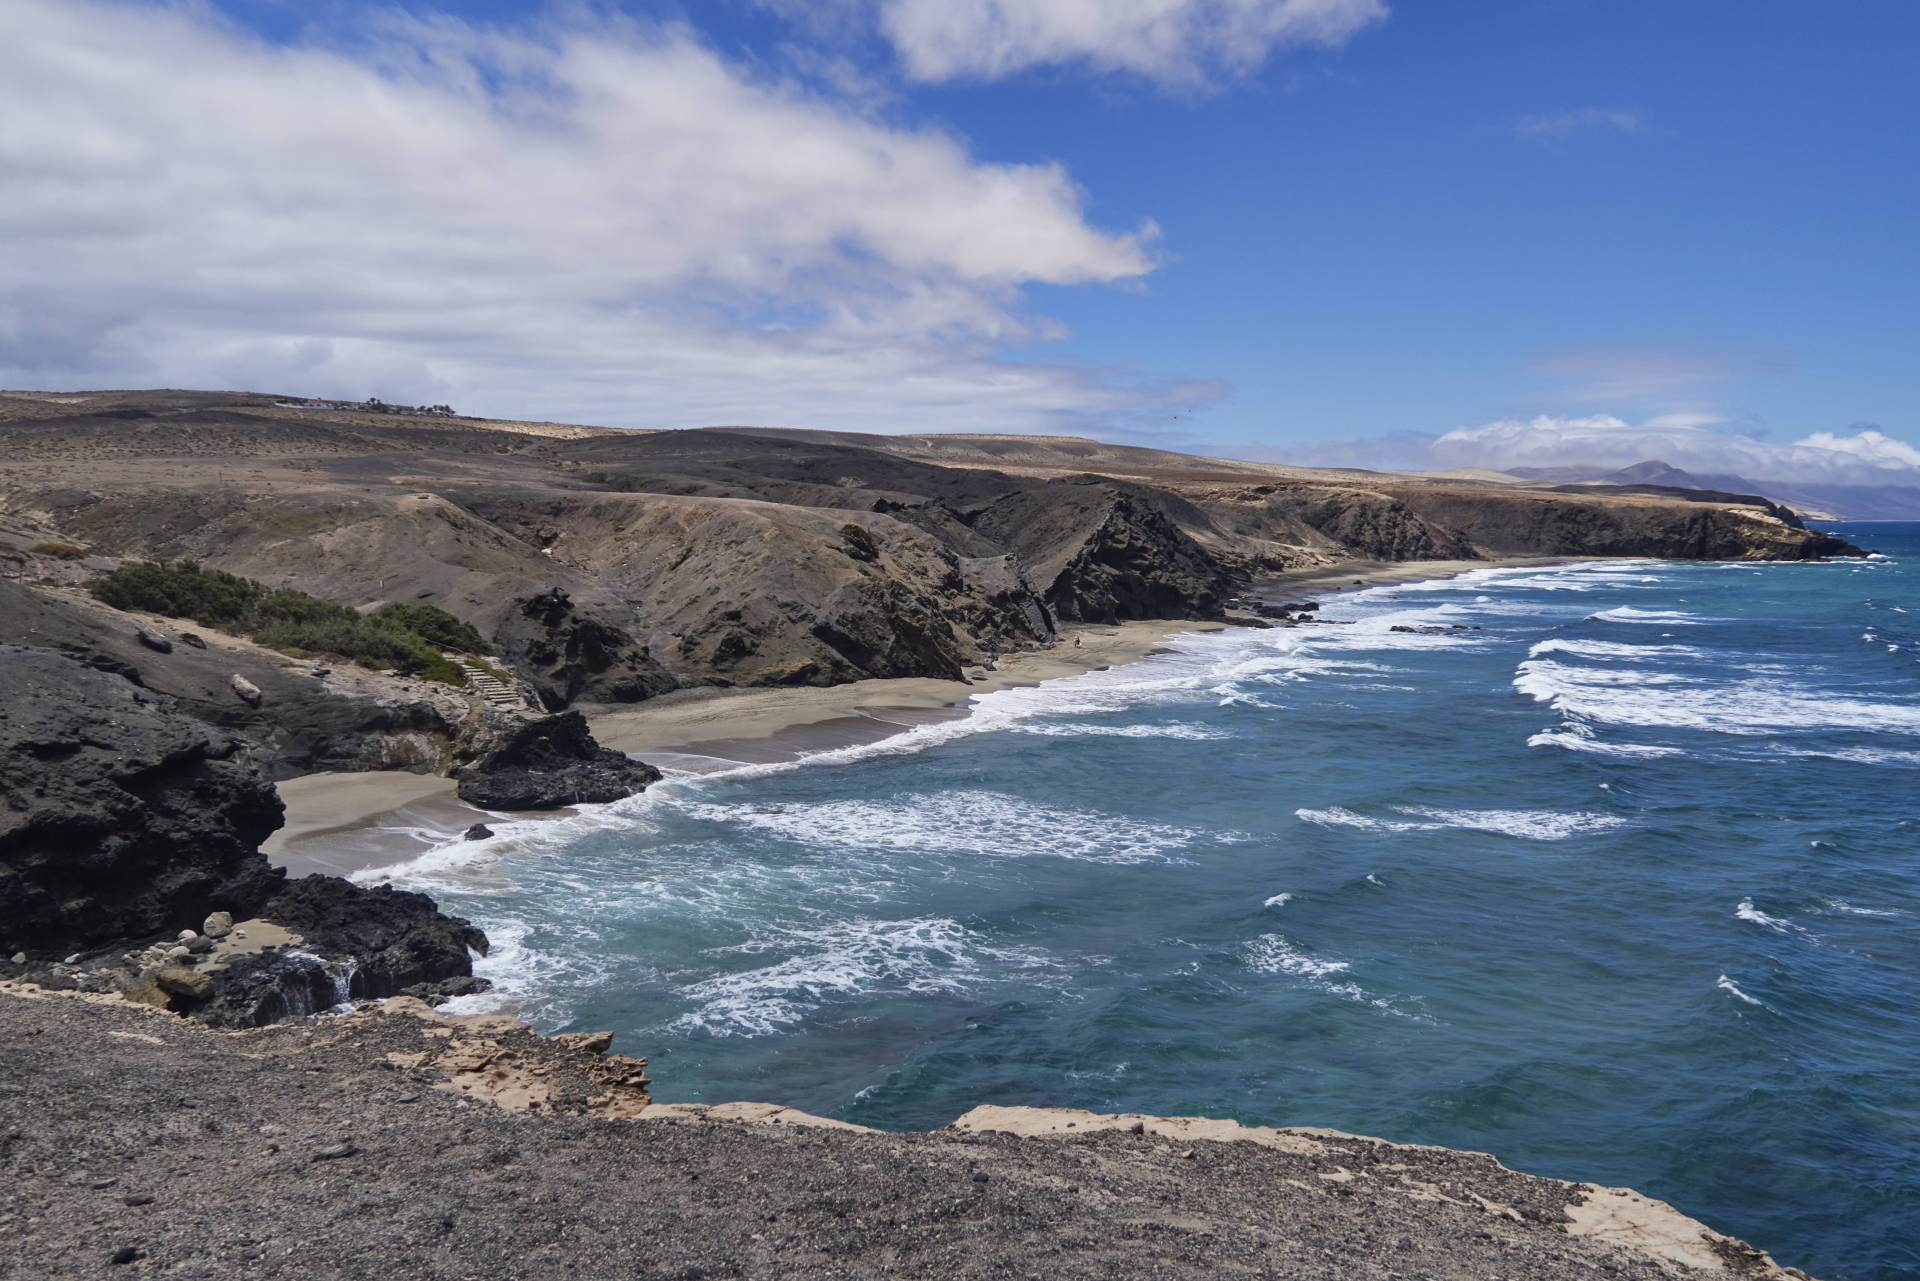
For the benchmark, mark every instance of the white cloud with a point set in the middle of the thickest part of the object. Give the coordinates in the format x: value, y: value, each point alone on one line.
x: 600, y: 220
x: 1174, y: 42
x: 1564, y: 124
x: 1681, y: 440
x: 1871, y: 446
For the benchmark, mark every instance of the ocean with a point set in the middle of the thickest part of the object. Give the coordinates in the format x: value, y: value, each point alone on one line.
x: 1610, y: 869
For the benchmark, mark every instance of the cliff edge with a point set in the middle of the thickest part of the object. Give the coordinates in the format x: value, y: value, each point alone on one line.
x: 363, y: 1147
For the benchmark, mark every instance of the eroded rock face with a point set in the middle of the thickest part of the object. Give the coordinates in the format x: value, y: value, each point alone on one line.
x: 301, y: 723
x: 120, y: 817
x: 545, y: 764
x: 568, y: 654
x: 1102, y: 551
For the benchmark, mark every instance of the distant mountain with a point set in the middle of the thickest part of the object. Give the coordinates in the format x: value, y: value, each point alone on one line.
x: 1651, y: 472
x: 1818, y: 501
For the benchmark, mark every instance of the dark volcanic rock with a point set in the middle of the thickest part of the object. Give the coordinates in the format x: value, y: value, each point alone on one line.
x: 567, y: 654
x: 1102, y: 551
x: 1379, y: 527
x: 1540, y: 523
x: 356, y: 944
x: 545, y: 764
x: 301, y: 724
x: 122, y: 818
x: 395, y: 937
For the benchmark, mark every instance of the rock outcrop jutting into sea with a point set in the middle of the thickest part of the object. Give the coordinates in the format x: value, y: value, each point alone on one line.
x: 130, y: 845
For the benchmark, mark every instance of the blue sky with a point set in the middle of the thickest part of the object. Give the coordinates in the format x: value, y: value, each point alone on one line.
x: 1306, y: 229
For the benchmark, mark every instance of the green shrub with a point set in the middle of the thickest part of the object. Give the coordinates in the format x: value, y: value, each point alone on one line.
x: 444, y: 670
x: 181, y: 589
x: 403, y: 638
x: 430, y: 622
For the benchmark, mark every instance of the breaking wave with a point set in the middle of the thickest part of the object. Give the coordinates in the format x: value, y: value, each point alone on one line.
x: 969, y: 823
x: 845, y: 961
x: 1533, y: 825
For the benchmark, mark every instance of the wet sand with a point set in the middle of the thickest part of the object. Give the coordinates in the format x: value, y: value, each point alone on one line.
x: 343, y: 823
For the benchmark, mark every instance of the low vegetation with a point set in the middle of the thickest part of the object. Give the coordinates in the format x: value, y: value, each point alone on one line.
x: 59, y: 551
x: 403, y: 638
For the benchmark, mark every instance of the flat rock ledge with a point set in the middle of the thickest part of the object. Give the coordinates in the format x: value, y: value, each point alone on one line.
x: 395, y: 1142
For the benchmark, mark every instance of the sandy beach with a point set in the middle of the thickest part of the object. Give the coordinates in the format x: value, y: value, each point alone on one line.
x: 343, y: 823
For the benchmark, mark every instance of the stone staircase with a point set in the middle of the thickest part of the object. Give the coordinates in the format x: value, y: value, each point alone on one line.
x: 496, y: 692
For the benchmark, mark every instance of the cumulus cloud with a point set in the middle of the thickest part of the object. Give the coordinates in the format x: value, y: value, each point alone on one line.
x: 599, y: 219
x: 1181, y: 43
x: 1561, y: 125
x: 1867, y: 457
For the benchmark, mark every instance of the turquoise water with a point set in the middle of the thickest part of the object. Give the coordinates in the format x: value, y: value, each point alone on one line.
x: 1619, y: 884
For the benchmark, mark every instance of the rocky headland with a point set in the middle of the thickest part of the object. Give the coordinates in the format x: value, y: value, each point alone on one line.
x: 130, y: 864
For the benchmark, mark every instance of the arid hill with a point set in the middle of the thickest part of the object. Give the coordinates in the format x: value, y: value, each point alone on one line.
x: 610, y: 566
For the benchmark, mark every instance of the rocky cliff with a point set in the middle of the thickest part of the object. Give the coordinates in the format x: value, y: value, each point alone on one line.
x: 129, y: 847
x: 122, y: 818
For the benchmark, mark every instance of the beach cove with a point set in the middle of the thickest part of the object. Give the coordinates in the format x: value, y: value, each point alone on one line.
x: 1610, y: 886
x: 344, y: 822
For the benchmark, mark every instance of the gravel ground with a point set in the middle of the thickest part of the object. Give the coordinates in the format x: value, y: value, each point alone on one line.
x: 133, y: 1144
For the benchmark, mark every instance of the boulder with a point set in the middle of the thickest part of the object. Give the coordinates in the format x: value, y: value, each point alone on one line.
x: 396, y: 938
x: 545, y: 764
x: 189, y: 985
x: 218, y: 925
x: 354, y: 944
x: 122, y: 818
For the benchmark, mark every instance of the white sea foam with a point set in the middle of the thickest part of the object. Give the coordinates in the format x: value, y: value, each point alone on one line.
x: 1192, y: 733
x: 843, y: 961
x: 969, y: 823
x: 1533, y: 825
x: 1278, y: 900
x: 1842, y: 906
x: 1575, y: 737
x: 1616, y: 649
x: 1861, y: 755
x: 1727, y: 985
x: 1746, y: 911
x: 1665, y: 700
x: 1664, y: 617
x: 531, y: 983
x: 1272, y: 954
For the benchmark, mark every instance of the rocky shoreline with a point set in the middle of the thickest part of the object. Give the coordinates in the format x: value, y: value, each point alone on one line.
x: 130, y: 847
